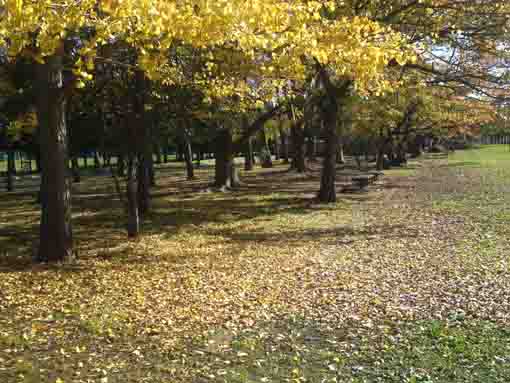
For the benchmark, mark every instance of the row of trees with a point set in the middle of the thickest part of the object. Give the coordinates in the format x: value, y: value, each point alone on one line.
x: 216, y: 73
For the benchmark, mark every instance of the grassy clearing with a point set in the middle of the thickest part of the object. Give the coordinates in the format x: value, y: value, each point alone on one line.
x: 408, y: 283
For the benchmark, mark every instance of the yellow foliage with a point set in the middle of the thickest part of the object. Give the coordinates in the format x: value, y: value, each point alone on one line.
x: 276, y: 37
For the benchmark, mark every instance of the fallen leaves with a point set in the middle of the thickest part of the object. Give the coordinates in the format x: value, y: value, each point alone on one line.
x: 275, y: 291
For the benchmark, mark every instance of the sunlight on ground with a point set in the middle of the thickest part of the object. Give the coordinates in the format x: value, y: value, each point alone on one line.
x: 408, y: 283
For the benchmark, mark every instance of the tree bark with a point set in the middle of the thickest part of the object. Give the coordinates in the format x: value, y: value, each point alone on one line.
x: 152, y: 172
x: 159, y: 159
x: 199, y: 156
x: 143, y: 182
x: 340, y: 157
x: 248, y: 155
x: 38, y: 160
x: 284, y: 143
x: 327, y: 192
x: 188, y: 157
x: 179, y: 156
x: 226, y: 176
x: 97, y: 162
x: 380, y: 151
x: 133, y: 223
x: 298, y: 146
x: 11, y: 169
x: 56, y: 239
x: 121, y: 165
x: 144, y: 141
x: 277, y: 152
x: 75, y: 169
x: 310, y: 149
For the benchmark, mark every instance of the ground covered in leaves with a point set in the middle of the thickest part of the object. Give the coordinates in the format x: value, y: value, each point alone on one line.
x: 407, y: 283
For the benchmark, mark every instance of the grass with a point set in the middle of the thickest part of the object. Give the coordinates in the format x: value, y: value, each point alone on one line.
x: 407, y: 283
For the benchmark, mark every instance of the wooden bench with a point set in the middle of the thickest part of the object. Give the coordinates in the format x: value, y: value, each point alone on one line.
x: 363, y: 180
x: 377, y: 175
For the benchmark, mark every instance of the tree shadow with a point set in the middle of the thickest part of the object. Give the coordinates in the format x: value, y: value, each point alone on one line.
x: 99, y: 220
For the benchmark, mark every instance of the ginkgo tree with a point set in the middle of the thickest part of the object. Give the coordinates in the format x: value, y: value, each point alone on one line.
x: 283, y: 40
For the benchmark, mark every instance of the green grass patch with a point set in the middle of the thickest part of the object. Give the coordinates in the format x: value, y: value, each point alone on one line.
x: 429, y: 351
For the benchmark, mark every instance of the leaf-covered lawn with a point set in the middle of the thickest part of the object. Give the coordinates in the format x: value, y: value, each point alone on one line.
x: 409, y: 283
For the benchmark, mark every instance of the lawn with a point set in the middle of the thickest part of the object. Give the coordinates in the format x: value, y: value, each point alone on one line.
x: 407, y: 283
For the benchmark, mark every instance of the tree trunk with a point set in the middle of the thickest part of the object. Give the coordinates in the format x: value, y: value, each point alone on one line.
x: 380, y: 151
x: 75, y: 169
x: 298, y: 146
x: 165, y: 155
x: 144, y: 143
x: 188, y: 157
x: 226, y: 176
x: 56, y: 239
x: 121, y: 165
x: 152, y: 172
x: 143, y: 181
x: 38, y: 160
x: 199, y: 156
x: 97, y: 162
x: 179, y: 156
x: 284, y: 143
x: 133, y: 223
x: 327, y: 192
x: 310, y: 149
x: 106, y: 160
x: 340, y: 158
x: 276, y: 149
x: 248, y: 155
x: 158, y: 154
x: 11, y: 169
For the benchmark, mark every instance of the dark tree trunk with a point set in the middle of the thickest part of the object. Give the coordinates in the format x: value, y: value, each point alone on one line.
x: 38, y: 160
x: 165, y: 156
x: 56, y: 239
x: 158, y: 154
x: 121, y: 165
x: 133, y: 223
x: 415, y: 147
x: 248, y: 155
x: 11, y: 169
x: 284, y: 143
x: 401, y: 158
x: 152, y: 172
x: 97, y: 162
x: 106, y: 160
x: 85, y: 161
x: 226, y: 176
x: 310, y: 149
x: 75, y: 169
x: 143, y: 185
x: 276, y: 149
x: 340, y: 157
x: 380, y: 160
x: 327, y: 192
x: 179, y: 157
x: 188, y: 157
x: 144, y: 138
x: 380, y: 143
x: 199, y: 156
x: 390, y: 149
x: 298, y: 146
